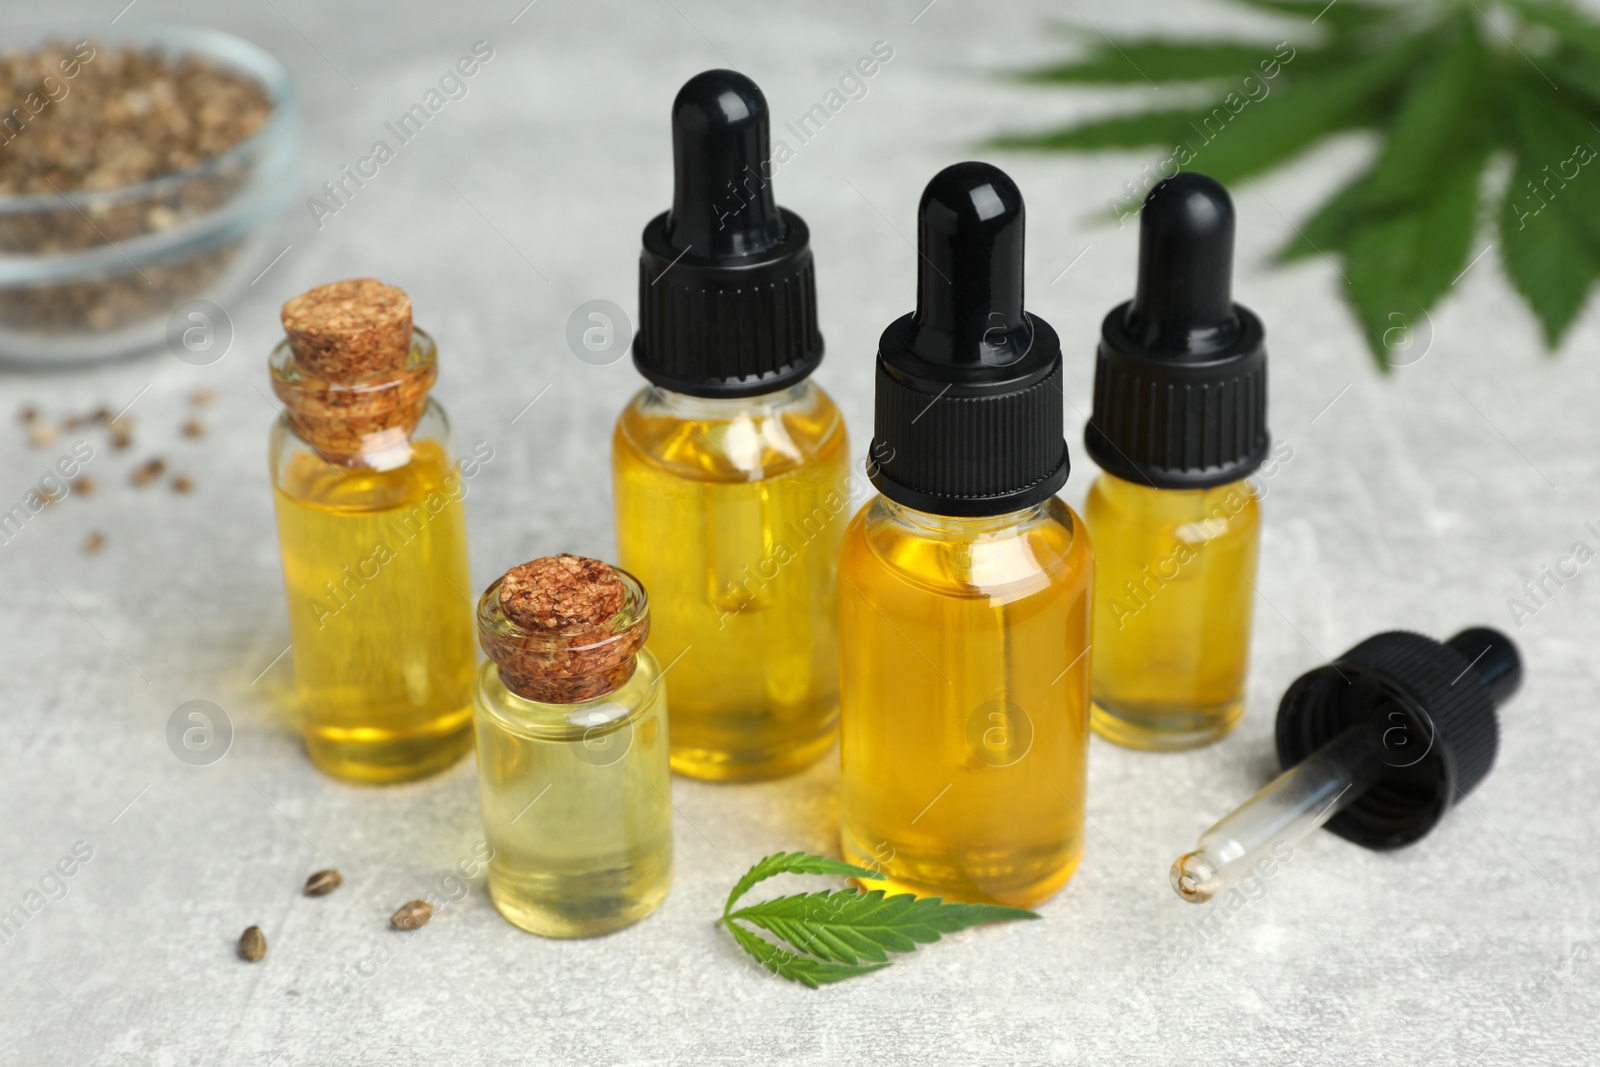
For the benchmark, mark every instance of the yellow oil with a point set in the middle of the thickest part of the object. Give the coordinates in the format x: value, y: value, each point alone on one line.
x: 576, y: 804
x: 375, y: 564
x: 964, y: 728
x: 1175, y: 578
x: 730, y: 512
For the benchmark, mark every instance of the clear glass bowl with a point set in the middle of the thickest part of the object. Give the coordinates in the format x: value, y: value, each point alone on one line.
x: 91, y: 274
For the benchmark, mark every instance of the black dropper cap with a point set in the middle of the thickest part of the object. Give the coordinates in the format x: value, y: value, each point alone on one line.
x: 1180, y: 383
x: 1429, y: 713
x: 727, y: 290
x: 969, y: 385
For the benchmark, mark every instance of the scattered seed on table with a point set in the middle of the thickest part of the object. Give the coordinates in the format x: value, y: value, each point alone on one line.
x: 182, y: 483
x: 84, y: 485
x: 148, y: 471
x: 93, y: 544
x: 412, y: 914
x: 41, y: 433
x: 323, y: 882
x: 194, y: 428
x: 252, y: 944
x: 202, y: 397
x: 27, y: 413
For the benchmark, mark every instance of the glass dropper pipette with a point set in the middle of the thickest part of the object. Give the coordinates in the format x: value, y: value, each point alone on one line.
x: 1392, y: 733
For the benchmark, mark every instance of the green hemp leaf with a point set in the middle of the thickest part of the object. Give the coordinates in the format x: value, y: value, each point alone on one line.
x: 1449, y: 88
x: 832, y: 935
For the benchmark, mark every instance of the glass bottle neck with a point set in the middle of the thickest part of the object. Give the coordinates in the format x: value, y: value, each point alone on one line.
x: 715, y: 409
x: 951, y: 527
x: 364, y: 422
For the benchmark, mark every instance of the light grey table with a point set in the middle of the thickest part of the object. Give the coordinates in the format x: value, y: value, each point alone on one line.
x: 1423, y: 500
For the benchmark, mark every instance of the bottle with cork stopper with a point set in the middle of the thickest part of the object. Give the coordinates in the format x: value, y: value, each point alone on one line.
x: 373, y: 536
x: 730, y: 468
x: 964, y: 588
x: 573, y: 764
x: 1179, y: 427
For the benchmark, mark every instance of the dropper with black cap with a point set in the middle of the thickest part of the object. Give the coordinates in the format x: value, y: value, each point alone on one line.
x: 964, y: 587
x: 727, y: 289
x: 1179, y: 425
x: 1378, y: 746
x: 969, y: 385
x: 730, y: 450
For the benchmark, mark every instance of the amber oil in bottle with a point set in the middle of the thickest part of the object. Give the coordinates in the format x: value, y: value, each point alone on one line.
x: 965, y: 587
x: 1179, y: 426
x: 729, y: 470
x: 370, y: 522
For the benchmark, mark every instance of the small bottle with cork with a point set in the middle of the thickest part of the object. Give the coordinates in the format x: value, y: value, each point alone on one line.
x: 729, y: 470
x: 965, y: 586
x: 1179, y: 426
x: 373, y: 535
x: 573, y: 767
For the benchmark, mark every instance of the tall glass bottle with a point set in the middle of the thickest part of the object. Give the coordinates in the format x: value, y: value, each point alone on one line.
x: 373, y: 536
x: 965, y: 587
x: 1179, y: 425
x: 730, y: 469
x: 572, y: 749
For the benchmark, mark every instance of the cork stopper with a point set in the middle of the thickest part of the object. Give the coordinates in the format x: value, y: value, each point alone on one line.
x: 564, y: 629
x: 350, y: 329
x: 560, y: 593
x: 353, y: 371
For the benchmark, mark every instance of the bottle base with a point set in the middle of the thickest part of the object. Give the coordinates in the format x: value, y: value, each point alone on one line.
x: 752, y: 765
x: 389, y: 757
x: 1164, y: 727
x: 569, y: 908
x: 946, y: 876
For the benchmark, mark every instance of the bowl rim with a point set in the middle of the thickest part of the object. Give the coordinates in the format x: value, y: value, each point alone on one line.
x: 217, y: 45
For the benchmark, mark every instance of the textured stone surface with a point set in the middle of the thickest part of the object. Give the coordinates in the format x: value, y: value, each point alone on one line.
x: 1422, y: 500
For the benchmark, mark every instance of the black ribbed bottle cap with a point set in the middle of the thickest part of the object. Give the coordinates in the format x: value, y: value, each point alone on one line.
x: 727, y: 290
x: 1429, y: 711
x: 1180, y: 380
x: 969, y: 385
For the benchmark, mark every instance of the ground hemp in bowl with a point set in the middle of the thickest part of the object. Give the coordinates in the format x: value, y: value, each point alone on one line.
x: 89, y: 118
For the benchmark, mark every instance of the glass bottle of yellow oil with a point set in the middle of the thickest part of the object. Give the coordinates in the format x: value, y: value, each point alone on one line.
x: 572, y: 749
x: 371, y: 527
x: 1179, y: 425
x: 965, y: 587
x: 730, y: 469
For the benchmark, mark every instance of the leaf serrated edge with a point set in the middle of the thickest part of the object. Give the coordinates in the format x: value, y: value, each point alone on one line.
x: 809, y: 971
x: 792, y: 863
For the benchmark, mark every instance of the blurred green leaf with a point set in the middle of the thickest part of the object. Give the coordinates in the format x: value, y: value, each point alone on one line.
x: 1125, y: 63
x: 1577, y: 72
x: 1550, y: 217
x: 1573, y: 27
x: 1231, y: 145
x: 1329, y: 229
x: 1449, y: 86
x: 1164, y: 128
x: 1398, y: 265
x: 1336, y: 15
x: 1444, y: 100
x: 1550, y: 263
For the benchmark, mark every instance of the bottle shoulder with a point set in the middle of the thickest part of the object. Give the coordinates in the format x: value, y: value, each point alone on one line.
x: 398, y: 475
x: 731, y: 440
x: 1227, y: 510
x: 641, y: 696
x: 1044, y: 549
